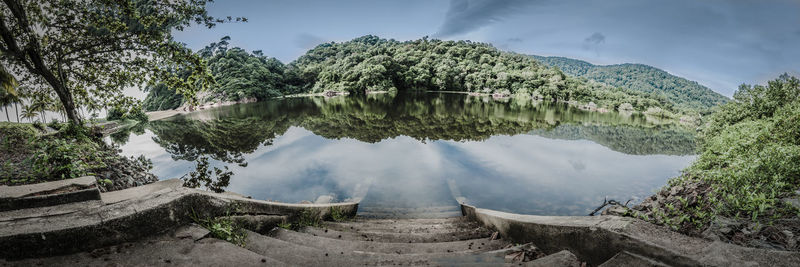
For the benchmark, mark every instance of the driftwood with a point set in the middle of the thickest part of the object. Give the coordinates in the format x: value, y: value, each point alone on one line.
x: 607, y: 202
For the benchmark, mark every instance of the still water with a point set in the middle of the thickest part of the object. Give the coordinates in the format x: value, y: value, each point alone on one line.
x: 421, y: 153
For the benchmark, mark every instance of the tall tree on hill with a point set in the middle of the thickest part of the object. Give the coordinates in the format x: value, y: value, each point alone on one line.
x: 86, y: 52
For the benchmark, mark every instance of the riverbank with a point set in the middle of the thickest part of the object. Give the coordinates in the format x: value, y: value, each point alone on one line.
x: 655, y: 116
x: 34, y: 155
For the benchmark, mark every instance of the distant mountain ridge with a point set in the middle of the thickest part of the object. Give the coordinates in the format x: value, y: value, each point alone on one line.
x: 639, y: 77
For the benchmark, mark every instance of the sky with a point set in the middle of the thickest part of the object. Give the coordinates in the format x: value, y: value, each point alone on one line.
x: 717, y: 43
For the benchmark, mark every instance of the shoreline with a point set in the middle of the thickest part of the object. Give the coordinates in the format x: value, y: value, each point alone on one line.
x: 684, y: 120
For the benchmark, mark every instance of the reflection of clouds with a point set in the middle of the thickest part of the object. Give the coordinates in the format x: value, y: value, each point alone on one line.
x: 303, y: 166
x: 532, y: 174
x: 163, y: 165
x: 522, y: 173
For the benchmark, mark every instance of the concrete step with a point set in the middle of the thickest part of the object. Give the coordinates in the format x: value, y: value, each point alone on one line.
x: 403, y: 226
x: 396, y: 237
x: 627, y: 259
x: 261, y: 224
x: 160, y: 251
x: 418, y: 221
x: 383, y: 209
x: 48, y: 193
x: 409, y: 215
x: 304, y: 255
x: 429, y: 212
x: 474, y: 245
x: 562, y: 258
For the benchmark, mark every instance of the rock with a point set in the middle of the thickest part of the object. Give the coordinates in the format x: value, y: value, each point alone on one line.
x: 616, y: 210
x: 794, y: 202
x: 790, y: 240
x: 193, y: 231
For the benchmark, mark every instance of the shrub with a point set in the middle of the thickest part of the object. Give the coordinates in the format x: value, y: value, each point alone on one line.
x: 136, y: 113
x: 115, y: 113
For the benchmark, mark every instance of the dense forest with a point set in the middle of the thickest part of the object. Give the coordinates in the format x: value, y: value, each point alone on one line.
x: 238, y: 74
x: 638, y: 77
x: 370, y: 63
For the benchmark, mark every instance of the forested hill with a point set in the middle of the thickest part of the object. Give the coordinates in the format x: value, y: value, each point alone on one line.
x: 644, y: 78
x: 370, y: 63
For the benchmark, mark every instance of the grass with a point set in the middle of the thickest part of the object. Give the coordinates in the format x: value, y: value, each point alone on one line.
x: 337, y: 214
x: 222, y: 228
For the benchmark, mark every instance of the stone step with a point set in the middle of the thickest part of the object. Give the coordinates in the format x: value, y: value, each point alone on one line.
x: 474, y: 245
x: 403, y: 227
x: 417, y: 221
x: 261, y: 224
x: 303, y: 255
x: 384, y: 209
x: 48, y: 193
x: 160, y: 251
x: 626, y: 259
x: 409, y: 215
x: 562, y: 258
x: 44, y: 212
x: 396, y: 237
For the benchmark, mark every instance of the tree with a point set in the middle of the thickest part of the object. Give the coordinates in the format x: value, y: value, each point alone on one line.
x: 86, y: 52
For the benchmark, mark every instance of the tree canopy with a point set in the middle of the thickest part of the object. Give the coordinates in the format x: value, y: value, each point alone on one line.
x: 370, y: 63
x: 683, y: 93
x: 84, y: 53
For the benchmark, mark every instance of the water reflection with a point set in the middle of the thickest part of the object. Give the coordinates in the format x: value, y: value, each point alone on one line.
x: 422, y: 151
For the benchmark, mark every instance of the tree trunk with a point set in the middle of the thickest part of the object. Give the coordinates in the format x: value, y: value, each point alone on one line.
x: 33, y: 52
x: 7, y: 117
x: 16, y: 107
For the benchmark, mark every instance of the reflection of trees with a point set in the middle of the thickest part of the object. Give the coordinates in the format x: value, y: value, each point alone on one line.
x: 227, y: 133
x: 628, y: 139
x: 224, y: 140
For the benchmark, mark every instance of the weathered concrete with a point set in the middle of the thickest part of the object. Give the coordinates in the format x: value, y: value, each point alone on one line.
x: 599, y: 238
x: 305, y: 255
x: 261, y: 224
x: 131, y: 215
x: 626, y: 259
x: 562, y: 258
x: 351, y: 234
x: 48, y: 193
x: 475, y: 245
x: 164, y: 250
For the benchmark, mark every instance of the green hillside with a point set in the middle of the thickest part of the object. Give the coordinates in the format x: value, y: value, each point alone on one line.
x: 639, y: 77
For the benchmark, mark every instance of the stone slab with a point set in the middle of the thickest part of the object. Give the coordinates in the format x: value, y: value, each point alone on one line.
x: 31, y: 189
x: 48, y: 193
x: 131, y: 215
x: 597, y: 239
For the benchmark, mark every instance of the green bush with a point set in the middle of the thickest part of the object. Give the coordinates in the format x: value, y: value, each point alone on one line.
x: 750, y: 155
x: 136, y: 113
x: 115, y: 113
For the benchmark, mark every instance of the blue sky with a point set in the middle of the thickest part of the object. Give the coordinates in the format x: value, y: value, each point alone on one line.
x: 720, y: 44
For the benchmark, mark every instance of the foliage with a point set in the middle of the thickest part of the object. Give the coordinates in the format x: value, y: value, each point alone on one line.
x: 750, y: 150
x: 683, y: 93
x: 238, y: 74
x: 337, y: 214
x: 29, y: 156
x: 215, y: 180
x: 223, y: 228
x: 159, y: 97
x: 85, y: 52
x: 62, y: 159
x: 369, y: 63
x: 119, y: 112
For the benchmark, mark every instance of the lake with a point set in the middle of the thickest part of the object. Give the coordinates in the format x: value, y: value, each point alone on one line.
x: 418, y: 154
